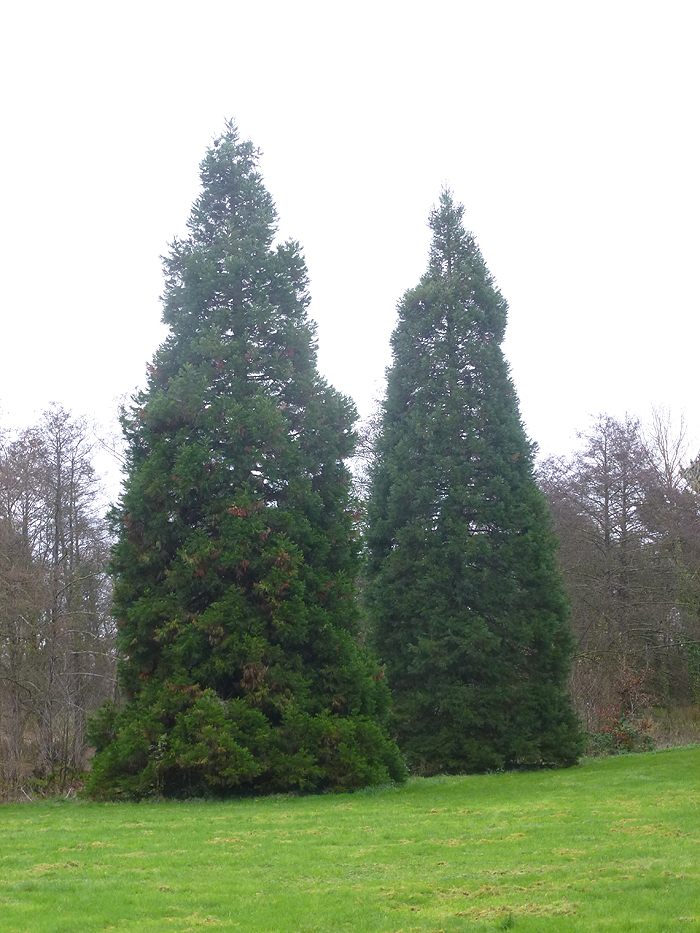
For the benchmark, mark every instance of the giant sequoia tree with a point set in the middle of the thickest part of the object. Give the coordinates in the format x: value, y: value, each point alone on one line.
x: 236, y: 555
x: 468, y: 604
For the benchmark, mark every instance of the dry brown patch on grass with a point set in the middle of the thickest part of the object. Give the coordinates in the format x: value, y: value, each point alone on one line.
x: 648, y: 829
x: 560, y: 909
x: 482, y: 891
x: 87, y: 845
x: 43, y: 868
x: 508, y: 838
x: 678, y: 801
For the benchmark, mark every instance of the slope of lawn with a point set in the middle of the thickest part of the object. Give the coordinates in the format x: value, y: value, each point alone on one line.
x: 611, y: 845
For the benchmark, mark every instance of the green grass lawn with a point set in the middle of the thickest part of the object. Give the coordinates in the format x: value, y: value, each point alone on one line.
x: 613, y: 845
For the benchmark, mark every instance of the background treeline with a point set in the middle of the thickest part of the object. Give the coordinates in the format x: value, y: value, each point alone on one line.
x: 626, y: 508
x: 57, y: 657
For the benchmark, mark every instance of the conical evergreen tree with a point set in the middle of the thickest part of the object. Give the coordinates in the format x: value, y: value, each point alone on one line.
x: 468, y: 604
x: 236, y: 555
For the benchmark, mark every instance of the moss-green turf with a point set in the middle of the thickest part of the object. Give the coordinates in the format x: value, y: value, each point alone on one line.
x: 612, y: 845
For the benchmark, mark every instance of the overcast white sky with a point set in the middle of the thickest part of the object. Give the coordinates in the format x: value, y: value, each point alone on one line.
x: 569, y: 130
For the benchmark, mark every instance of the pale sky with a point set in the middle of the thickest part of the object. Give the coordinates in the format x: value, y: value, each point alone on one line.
x: 569, y: 131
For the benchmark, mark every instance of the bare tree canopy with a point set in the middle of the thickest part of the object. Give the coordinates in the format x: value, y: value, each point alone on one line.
x: 56, y: 637
x: 626, y: 511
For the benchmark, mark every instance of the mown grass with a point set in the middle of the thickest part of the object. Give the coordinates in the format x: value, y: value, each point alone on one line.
x: 613, y: 845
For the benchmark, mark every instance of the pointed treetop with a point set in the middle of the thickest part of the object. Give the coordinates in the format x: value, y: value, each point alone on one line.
x: 229, y: 255
x: 457, y: 278
x: 451, y: 242
x: 233, y: 194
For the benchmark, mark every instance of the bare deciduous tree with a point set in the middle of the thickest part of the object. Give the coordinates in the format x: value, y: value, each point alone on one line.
x: 56, y: 641
x: 630, y: 540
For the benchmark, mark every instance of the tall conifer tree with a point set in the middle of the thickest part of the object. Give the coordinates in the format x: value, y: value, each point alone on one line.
x: 468, y: 604
x: 236, y: 555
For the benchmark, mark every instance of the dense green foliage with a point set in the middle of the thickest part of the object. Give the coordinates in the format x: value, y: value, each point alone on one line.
x: 468, y: 603
x: 236, y: 559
